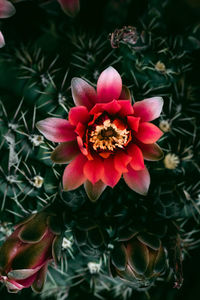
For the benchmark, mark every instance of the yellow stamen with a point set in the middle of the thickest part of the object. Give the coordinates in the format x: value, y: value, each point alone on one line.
x: 108, y: 136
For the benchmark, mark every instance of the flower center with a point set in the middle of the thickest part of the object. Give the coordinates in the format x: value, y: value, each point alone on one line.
x: 108, y: 136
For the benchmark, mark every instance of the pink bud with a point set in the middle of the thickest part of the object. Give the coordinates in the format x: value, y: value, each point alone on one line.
x: 70, y: 7
x: 25, y: 255
x: 6, y: 9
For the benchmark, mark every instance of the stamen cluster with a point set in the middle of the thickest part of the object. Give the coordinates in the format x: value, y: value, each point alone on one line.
x: 108, y: 136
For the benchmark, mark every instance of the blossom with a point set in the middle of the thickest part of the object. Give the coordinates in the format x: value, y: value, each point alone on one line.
x: 6, y: 10
x: 70, y: 7
x: 24, y: 256
x: 105, y: 136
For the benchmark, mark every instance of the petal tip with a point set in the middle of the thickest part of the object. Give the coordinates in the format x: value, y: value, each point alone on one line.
x: 2, y: 41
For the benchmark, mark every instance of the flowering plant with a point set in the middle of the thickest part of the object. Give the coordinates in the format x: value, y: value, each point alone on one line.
x: 105, y: 136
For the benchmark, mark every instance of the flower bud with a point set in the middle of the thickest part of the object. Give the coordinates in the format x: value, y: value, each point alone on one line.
x: 24, y: 256
x: 139, y: 260
x: 70, y: 7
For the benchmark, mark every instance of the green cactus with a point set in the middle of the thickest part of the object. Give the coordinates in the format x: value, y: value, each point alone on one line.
x: 141, y: 240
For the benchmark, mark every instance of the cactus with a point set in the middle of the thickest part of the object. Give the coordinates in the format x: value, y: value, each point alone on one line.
x: 103, y: 241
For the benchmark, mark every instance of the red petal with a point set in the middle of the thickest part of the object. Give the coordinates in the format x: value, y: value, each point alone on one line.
x: 83, y: 93
x: 151, y: 152
x: 137, y: 162
x: 109, y: 85
x: 111, y: 107
x: 94, y: 117
x: 126, y: 108
x: 80, y: 129
x: 78, y: 114
x: 125, y: 93
x: 138, y: 181
x: 121, y: 160
x: 133, y: 122
x: 105, y: 154
x: 94, y: 191
x: 57, y: 130
x: 65, y: 152
x: 110, y: 175
x: 120, y: 124
x: 73, y: 175
x: 70, y: 7
x: 93, y: 170
x: 148, y: 133
x: 148, y: 109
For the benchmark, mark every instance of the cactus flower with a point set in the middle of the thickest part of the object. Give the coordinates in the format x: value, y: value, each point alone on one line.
x: 6, y: 10
x: 105, y: 136
x: 70, y: 7
x: 24, y: 256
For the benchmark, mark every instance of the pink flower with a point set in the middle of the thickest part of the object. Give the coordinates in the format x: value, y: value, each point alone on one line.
x: 70, y: 7
x: 105, y: 136
x: 25, y: 254
x: 6, y: 10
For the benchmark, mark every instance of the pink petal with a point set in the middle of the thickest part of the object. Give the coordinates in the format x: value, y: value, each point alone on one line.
x: 125, y: 93
x: 137, y: 162
x: 121, y: 160
x: 65, y: 152
x: 109, y: 85
x: 73, y: 175
x: 22, y: 274
x: 93, y: 170
x: 57, y: 130
x: 28, y: 281
x: 6, y: 9
x: 94, y: 191
x: 148, y: 133
x: 78, y: 114
x: 110, y: 175
x: 133, y: 122
x: 70, y: 7
x: 138, y: 181
x: 111, y: 107
x: 151, y: 152
x: 2, y: 41
x: 83, y: 93
x: 81, y: 146
x: 148, y: 109
x: 13, y: 286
